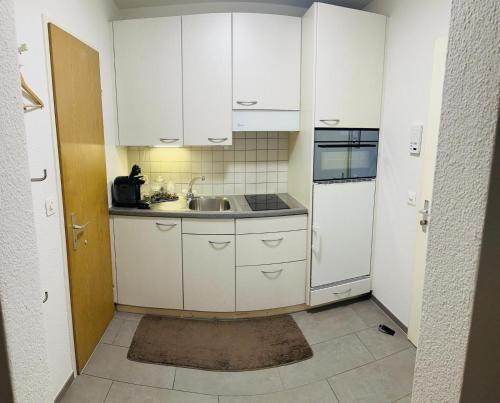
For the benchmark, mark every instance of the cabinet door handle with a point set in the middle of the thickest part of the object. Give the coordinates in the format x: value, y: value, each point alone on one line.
x: 164, y: 140
x: 246, y: 103
x: 160, y: 224
x: 267, y: 273
x: 315, y: 236
x: 342, y: 292
x: 217, y: 139
x: 219, y: 243
x: 272, y: 240
x: 331, y: 122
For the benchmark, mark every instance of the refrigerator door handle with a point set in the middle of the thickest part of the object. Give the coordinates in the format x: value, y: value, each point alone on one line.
x: 315, y: 237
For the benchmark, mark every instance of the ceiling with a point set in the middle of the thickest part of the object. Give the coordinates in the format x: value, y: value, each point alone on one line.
x: 296, y: 3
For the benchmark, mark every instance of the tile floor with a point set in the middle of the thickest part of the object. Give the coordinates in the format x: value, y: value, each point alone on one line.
x: 352, y: 362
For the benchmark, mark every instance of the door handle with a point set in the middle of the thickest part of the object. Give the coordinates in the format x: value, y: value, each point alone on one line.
x: 315, y: 235
x: 425, y: 215
x: 217, y: 139
x: 246, y: 103
x: 164, y: 140
x: 330, y: 122
x: 76, y: 229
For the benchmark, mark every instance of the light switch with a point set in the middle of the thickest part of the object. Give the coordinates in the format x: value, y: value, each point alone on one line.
x: 412, y: 198
x: 50, y: 206
x: 415, y: 138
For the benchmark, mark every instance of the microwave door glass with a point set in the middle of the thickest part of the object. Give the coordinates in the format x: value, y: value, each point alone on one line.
x: 331, y: 162
x: 363, y: 161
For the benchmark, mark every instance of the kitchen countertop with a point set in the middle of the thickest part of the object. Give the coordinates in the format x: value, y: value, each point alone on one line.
x: 239, y: 209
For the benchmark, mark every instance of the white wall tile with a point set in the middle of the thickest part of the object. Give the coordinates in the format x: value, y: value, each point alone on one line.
x: 257, y: 162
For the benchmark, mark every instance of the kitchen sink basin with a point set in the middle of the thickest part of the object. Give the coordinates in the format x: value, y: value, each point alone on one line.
x: 209, y: 204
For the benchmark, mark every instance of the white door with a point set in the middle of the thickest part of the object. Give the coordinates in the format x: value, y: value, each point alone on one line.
x: 429, y: 149
x: 266, y: 61
x: 209, y: 272
x: 207, y: 77
x: 149, y: 81
x: 148, y: 256
x: 342, y: 231
x: 349, y: 67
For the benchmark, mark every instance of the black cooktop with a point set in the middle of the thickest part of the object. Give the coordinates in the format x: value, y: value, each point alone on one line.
x: 266, y: 202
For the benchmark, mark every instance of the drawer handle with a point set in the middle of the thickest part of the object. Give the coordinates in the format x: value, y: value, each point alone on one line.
x: 217, y: 139
x: 331, y: 122
x: 269, y: 272
x: 164, y: 140
x: 246, y: 103
x: 272, y: 240
x: 160, y: 224
x: 223, y: 244
x: 343, y: 292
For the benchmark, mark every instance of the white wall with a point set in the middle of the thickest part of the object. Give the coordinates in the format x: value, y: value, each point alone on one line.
x: 21, y: 323
x: 89, y: 21
x: 412, y: 27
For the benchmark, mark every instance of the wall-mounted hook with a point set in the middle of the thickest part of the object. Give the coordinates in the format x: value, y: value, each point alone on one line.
x: 40, y: 179
x: 45, y: 298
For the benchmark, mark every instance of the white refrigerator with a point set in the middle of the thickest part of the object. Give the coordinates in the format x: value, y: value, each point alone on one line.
x: 342, y: 231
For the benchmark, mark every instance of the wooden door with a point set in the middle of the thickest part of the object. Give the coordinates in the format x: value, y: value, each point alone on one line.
x: 349, y: 67
x: 429, y: 150
x: 155, y: 246
x: 148, y: 64
x: 207, y: 77
x: 266, y: 61
x: 77, y: 98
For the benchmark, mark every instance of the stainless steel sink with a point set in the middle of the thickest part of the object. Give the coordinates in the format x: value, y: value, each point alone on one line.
x: 209, y: 204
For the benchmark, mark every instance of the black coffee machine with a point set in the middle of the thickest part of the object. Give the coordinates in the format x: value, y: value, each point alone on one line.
x: 126, y: 190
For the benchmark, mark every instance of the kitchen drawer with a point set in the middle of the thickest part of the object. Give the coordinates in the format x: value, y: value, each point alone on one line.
x: 339, y: 292
x: 270, y: 286
x: 207, y: 226
x: 271, y: 224
x: 267, y: 248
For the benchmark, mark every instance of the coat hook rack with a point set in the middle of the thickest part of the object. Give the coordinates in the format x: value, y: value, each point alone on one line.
x: 37, y: 102
x: 41, y: 179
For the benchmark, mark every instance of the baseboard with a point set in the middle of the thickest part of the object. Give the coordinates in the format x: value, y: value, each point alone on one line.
x: 342, y: 302
x: 390, y: 314
x: 65, y: 388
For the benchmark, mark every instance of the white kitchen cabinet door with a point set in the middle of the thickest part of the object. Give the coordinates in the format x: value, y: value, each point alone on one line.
x: 209, y: 272
x: 349, y: 67
x: 270, y: 286
x: 148, y: 261
x: 266, y: 61
x: 148, y: 64
x: 342, y: 231
x: 206, y: 56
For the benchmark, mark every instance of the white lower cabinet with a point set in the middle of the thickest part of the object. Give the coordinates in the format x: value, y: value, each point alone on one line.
x: 270, y: 286
x: 209, y: 272
x: 148, y: 261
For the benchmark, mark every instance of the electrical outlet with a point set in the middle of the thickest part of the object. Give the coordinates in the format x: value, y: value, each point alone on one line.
x: 50, y: 207
x: 412, y: 198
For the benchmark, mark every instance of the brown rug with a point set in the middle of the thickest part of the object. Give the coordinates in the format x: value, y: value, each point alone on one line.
x: 219, y: 345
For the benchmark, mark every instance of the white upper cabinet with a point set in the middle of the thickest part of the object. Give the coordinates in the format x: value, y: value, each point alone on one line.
x: 148, y: 67
x: 266, y: 62
x: 349, y: 67
x: 206, y: 58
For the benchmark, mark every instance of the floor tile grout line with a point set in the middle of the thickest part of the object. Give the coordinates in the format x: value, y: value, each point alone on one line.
x: 365, y: 346
x: 148, y: 386
x: 333, y: 390
x: 368, y: 363
x: 109, y: 390
x: 175, y: 375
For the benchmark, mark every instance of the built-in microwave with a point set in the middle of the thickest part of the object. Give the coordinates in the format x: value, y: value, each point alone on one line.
x: 341, y: 154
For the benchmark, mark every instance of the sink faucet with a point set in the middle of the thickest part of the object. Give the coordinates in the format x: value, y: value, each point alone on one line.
x: 189, y: 194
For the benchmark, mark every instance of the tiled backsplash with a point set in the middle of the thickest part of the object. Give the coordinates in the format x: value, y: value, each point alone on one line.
x: 257, y: 162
